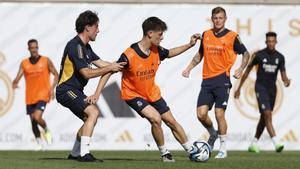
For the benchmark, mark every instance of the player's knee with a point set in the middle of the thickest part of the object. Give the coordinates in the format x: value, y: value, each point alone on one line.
x: 155, y: 121
x: 37, y: 118
x: 172, y: 123
x: 267, y: 116
x: 220, y: 115
x: 201, y: 116
x: 92, y: 112
x: 94, y: 115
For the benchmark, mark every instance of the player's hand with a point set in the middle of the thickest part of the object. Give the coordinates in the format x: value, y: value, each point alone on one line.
x: 237, y: 94
x: 238, y: 73
x: 186, y: 73
x: 116, y: 67
x: 15, y: 84
x: 92, y: 99
x: 194, y: 39
x: 287, y: 83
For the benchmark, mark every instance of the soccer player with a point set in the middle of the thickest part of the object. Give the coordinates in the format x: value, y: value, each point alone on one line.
x: 268, y: 61
x: 36, y: 70
x: 219, y: 48
x: 76, y: 69
x: 138, y: 83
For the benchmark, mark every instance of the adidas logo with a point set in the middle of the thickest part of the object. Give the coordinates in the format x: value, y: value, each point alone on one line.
x: 224, y: 103
x: 265, y: 60
x: 290, y: 136
x: 139, y: 103
x: 124, y: 137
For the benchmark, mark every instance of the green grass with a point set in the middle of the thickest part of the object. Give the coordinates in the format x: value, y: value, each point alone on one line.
x: 147, y: 160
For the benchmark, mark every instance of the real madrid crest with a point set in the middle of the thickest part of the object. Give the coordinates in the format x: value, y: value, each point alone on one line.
x: 6, y: 95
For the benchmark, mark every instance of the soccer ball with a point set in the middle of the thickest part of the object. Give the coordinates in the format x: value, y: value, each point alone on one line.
x: 202, y: 152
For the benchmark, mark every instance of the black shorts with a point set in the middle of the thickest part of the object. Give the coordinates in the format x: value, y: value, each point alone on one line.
x: 138, y: 104
x: 216, y: 91
x: 40, y: 105
x: 266, y: 98
x: 73, y: 99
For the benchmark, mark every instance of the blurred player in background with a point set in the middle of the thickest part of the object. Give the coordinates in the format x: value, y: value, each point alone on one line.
x: 219, y: 47
x: 268, y: 61
x: 138, y: 83
x: 76, y: 69
x: 36, y: 70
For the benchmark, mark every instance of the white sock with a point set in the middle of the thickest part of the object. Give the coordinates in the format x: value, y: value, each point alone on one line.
x: 275, y: 140
x: 222, y: 143
x: 187, y: 147
x: 211, y: 130
x: 84, y: 145
x: 254, y: 141
x: 39, y: 141
x: 76, y: 149
x: 163, y: 150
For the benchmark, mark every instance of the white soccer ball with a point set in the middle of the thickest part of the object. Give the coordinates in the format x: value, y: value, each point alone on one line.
x: 202, y: 153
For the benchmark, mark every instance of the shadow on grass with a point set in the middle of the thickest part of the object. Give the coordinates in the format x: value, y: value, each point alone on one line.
x: 99, y: 160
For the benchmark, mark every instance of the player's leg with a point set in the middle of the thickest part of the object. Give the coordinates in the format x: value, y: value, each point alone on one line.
x: 222, y: 131
x: 260, y: 127
x: 37, y: 116
x: 91, y: 114
x: 145, y: 110
x: 37, y: 134
x: 177, y: 130
x: 221, y: 94
x: 266, y: 99
x: 204, y: 104
x: 259, y: 130
x: 269, y: 125
x: 75, y: 153
x: 74, y: 100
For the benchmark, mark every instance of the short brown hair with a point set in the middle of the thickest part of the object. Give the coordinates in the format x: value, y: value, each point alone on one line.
x: 153, y: 24
x: 32, y: 41
x: 218, y: 10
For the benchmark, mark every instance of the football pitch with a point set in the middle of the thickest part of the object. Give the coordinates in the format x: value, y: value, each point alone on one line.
x: 147, y: 160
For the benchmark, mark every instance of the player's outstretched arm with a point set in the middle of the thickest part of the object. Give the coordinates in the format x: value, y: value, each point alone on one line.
x: 195, y: 61
x: 101, y: 63
x: 285, y: 79
x: 102, y: 82
x: 178, y: 50
x: 239, y: 71
x: 18, y: 77
x: 244, y: 77
x: 53, y: 70
x: 88, y: 73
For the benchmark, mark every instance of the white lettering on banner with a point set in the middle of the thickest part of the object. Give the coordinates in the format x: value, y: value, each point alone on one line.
x: 180, y: 93
x: 11, y: 138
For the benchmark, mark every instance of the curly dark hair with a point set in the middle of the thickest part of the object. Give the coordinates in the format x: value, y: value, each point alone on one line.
x: 86, y: 18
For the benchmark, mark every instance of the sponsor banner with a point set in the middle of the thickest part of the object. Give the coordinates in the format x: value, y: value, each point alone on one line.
x: 119, y: 127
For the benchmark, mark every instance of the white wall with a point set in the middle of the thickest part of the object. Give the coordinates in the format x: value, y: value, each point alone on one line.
x: 120, y: 25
